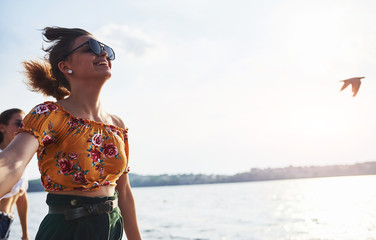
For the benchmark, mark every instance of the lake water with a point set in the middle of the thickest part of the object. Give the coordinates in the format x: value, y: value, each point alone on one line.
x: 340, y: 208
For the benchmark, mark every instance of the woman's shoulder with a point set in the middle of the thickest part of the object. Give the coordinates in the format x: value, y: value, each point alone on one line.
x: 118, y: 122
x: 42, y: 119
x: 44, y: 107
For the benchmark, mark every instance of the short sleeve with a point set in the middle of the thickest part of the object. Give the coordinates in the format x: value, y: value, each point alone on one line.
x: 37, y: 121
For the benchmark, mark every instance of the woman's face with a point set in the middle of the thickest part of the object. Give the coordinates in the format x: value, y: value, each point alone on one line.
x: 86, y: 64
x: 9, y: 131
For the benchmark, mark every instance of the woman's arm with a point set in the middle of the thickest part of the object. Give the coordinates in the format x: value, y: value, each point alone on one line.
x: 127, y: 207
x: 14, y: 159
x: 22, y: 207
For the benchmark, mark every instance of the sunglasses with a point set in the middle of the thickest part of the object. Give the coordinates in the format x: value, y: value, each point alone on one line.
x: 96, y: 47
x: 18, y: 123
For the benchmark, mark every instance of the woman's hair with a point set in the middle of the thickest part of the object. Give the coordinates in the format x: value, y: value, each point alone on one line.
x: 5, y: 117
x: 46, y: 77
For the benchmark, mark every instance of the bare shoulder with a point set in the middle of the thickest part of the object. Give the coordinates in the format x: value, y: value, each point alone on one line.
x: 117, y: 121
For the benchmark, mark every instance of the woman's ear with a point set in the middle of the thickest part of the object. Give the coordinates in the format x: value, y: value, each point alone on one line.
x: 64, y: 67
x: 2, y: 127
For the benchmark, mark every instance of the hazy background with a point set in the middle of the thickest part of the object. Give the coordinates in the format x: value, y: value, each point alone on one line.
x: 218, y: 86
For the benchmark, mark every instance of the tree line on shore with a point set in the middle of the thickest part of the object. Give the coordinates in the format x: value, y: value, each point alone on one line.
x: 255, y: 174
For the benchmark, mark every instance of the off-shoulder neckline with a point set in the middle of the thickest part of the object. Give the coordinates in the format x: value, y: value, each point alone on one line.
x: 87, y: 120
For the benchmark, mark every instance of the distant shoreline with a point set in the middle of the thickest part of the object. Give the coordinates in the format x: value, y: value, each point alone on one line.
x: 255, y: 174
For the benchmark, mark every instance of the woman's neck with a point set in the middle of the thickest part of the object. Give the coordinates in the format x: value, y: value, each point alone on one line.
x: 84, y: 104
x: 84, y: 101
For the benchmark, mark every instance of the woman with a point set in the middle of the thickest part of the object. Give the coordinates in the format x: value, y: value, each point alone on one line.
x: 10, y: 120
x: 82, y: 150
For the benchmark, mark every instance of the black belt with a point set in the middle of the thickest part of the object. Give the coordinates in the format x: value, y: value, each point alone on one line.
x: 83, y: 210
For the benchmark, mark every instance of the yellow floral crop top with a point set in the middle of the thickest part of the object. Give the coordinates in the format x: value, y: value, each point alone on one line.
x: 74, y: 153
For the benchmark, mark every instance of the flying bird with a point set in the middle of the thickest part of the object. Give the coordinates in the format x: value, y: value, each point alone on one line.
x: 355, y: 83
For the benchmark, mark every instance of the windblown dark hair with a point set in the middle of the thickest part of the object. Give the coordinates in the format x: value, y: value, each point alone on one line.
x: 45, y: 76
x: 5, y: 117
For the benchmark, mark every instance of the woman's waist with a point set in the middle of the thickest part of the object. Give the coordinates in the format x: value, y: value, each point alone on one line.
x: 102, y: 191
x: 6, y: 204
x: 78, y: 206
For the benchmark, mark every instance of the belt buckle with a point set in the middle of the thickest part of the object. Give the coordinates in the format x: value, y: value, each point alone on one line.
x: 100, y: 208
x: 110, y: 204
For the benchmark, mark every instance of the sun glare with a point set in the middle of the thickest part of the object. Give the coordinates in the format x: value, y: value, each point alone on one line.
x: 341, y: 208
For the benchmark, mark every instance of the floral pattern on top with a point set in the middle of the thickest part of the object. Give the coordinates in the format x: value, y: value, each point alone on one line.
x: 74, y: 153
x: 99, y: 152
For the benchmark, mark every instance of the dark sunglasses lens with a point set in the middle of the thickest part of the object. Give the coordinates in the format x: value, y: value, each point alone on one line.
x: 110, y: 52
x: 95, y: 46
x: 18, y: 123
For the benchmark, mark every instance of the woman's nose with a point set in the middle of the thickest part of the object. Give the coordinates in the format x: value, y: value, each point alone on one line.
x: 103, y: 52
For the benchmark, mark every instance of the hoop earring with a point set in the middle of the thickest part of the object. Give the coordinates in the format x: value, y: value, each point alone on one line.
x: 70, y: 71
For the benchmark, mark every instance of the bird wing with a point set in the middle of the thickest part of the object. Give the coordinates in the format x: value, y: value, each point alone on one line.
x: 355, y: 87
x: 355, y: 78
x: 345, y: 84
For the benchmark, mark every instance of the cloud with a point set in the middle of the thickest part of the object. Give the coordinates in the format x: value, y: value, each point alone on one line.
x: 135, y: 41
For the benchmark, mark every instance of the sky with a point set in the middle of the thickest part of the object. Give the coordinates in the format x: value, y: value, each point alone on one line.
x: 218, y: 87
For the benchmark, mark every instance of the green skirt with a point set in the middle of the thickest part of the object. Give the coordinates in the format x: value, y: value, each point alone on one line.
x: 101, y: 227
